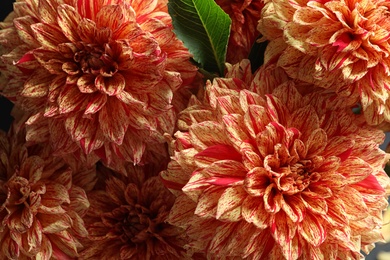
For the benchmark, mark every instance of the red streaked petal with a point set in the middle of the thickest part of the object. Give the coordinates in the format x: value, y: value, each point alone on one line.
x: 113, y: 127
x: 253, y: 211
x: 229, y: 204
x: 311, y: 230
x: 48, y: 35
x: 208, y: 201
x: 219, y: 152
x: 68, y: 20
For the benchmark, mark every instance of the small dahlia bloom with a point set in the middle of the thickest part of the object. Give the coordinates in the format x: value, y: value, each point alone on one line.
x: 244, y: 15
x: 127, y: 218
x: 42, y: 201
x: 96, y: 77
x: 281, y: 175
x: 341, y: 45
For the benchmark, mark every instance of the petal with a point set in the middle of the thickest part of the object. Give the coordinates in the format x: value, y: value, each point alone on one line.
x: 70, y: 99
x: 256, y: 119
x: 113, y: 126
x: 54, y: 223
x: 115, y: 189
x: 78, y: 201
x: 253, y: 211
x: 312, y: 231
x: 37, y: 85
x: 34, y: 237
x: 182, y: 211
x: 206, y: 134
x: 272, y: 199
x: 68, y: 20
x: 208, y: 201
x: 110, y: 85
x: 225, y: 168
x: 340, y: 146
x: 355, y: 170
x: 306, y: 120
x: 110, y: 16
x: 48, y: 35
x: 316, y: 205
x: 256, y: 181
x: 46, y: 249
x: 86, y: 83
x: 56, y: 194
x: 316, y: 142
x: 235, y: 128
x: 66, y: 244
x: 23, y: 28
x: 355, y: 206
x: 283, y: 230
x: 229, y: 204
x: 95, y: 104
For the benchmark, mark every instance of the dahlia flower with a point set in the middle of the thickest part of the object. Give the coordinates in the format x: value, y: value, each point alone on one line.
x: 341, y: 45
x: 127, y: 218
x: 42, y: 202
x: 244, y: 15
x: 276, y: 176
x: 96, y: 77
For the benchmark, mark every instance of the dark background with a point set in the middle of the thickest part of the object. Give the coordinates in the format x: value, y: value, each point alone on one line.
x: 5, y: 105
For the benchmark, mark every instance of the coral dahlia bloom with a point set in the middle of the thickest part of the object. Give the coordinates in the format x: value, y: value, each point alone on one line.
x: 276, y: 176
x: 338, y: 44
x: 245, y: 15
x: 42, y: 201
x: 127, y: 218
x: 95, y: 75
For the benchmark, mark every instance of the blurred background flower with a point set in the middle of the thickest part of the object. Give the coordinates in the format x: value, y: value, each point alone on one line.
x: 127, y: 217
x: 41, y: 204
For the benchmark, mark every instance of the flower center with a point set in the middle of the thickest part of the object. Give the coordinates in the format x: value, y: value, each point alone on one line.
x: 130, y: 223
x: 19, y: 189
x: 133, y: 226
x: 297, y: 177
x: 91, y: 59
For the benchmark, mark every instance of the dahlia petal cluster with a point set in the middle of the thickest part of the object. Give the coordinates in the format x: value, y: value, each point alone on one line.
x: 281, y: 174
x: 127, y: 218
x: 78, y: 63
x: 121, y: 148
x: 43, y: 200
x: 338, y: 45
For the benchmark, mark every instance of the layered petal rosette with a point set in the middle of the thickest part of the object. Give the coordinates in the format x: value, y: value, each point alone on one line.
x: 245, y: 15
x: 341, y: 45
x: 95, y: 75
x: 42, y: 202
x: 127, y: 218
x: 276, y: 176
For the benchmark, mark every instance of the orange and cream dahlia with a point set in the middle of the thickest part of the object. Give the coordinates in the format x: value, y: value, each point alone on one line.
x: 276, y: 176
x: 244, y: 15
x: 341, y: 45
x: 42, y: 202
x: 127, y: 218
x: 96, y: 76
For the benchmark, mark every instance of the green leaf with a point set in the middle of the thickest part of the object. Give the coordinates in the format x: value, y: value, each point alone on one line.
x: 204, y: 28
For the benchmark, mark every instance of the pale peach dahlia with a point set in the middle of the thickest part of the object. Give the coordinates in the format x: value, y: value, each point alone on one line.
x: 342, y: 45
x: 95, y: 75
x: 127, y: 218
x: 276, y: 176
x: 245, y: 15
x: 42, y: 201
